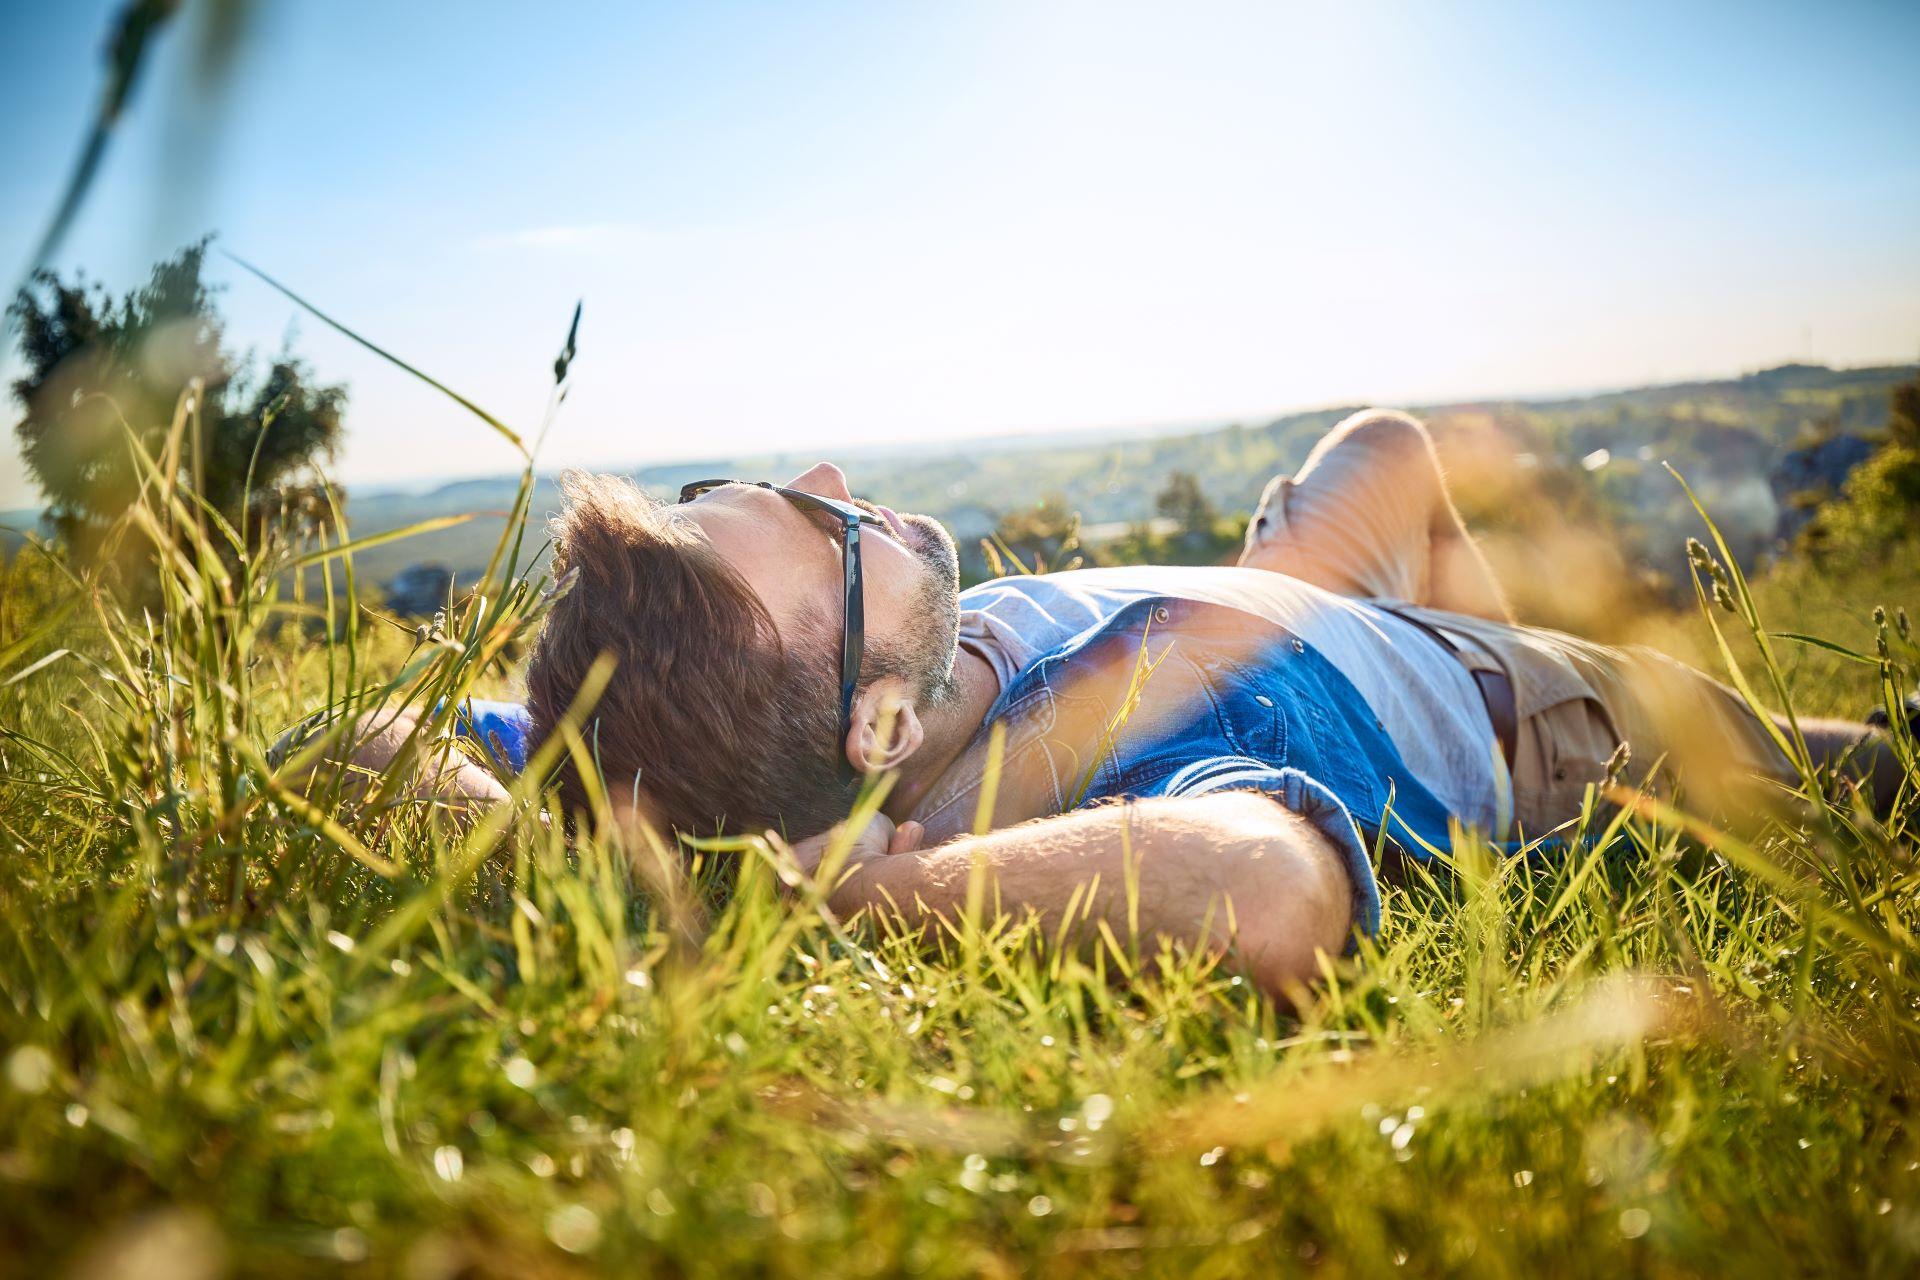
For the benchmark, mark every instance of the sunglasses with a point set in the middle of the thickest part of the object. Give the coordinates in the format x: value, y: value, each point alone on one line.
x: 853, y: 625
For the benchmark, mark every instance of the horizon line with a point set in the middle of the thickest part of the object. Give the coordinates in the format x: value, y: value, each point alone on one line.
x: 1044, y: 438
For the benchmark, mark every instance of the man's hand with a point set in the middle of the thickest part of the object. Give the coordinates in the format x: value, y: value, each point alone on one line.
x: 878, y: 839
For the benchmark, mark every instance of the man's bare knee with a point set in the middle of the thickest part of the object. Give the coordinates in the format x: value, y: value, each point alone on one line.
x: 1393, y: 448
x: 1390, y: 431
x: 1376, y: 468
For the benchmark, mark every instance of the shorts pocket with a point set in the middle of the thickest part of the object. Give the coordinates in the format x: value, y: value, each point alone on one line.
x: 1563, y: 750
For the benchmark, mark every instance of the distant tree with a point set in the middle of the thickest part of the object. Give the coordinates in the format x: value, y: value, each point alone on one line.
x: 1878, y: 513
x: 97, y: 371
x: 1903, y: 417
x: 1043, y: 538
x: 1184, y: 502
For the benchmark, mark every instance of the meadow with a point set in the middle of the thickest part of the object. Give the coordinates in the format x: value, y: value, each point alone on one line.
x: 255, y: 1022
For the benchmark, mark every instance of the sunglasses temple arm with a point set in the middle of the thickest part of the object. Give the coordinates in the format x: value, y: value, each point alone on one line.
x: 853, y: 635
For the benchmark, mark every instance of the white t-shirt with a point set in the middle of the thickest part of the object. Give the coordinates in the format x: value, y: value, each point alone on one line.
x: 1421, y: 694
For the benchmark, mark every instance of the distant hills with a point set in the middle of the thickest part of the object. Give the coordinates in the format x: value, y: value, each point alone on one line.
x: 1727, y: 436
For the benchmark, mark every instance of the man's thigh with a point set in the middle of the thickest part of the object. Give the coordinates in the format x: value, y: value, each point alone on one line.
x: 1356, y: 518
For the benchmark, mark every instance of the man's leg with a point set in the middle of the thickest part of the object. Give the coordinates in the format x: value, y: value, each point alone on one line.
x: 1680, y: 728
x: 1369, y: 515
x: 1859, y: 751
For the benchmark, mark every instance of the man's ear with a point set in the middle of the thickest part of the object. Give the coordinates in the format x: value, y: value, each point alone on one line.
x: 886, y: 729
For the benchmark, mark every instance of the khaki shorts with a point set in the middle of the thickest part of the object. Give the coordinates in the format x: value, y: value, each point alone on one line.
x: 1580, y: 703
x: 1362, y: 519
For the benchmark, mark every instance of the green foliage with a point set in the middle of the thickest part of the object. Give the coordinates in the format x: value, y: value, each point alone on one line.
x: 1879, y: 512
x: 243, y: 1024
x: 1184, y: 502
x: 1144, y: 542
x: 1878, y: 515
x: 100, y: 374
x: 1903, y: 415
x: 1044, y: 538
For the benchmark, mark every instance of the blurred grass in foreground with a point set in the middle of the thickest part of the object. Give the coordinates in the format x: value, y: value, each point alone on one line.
x: 246, y: 1028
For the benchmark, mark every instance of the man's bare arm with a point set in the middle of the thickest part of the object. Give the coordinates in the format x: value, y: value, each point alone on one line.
x: 438, y: 770
x: 1190, y: 858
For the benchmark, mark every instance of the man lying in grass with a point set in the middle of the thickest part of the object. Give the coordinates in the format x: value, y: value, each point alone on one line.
x: 1214, y: 749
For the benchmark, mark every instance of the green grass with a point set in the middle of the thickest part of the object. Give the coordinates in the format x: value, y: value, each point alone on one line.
x: 237, y: 1034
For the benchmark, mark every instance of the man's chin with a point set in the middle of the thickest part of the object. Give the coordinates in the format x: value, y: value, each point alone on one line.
x: 939, y: 610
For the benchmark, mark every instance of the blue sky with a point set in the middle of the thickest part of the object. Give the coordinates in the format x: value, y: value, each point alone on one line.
x: 806, y: 225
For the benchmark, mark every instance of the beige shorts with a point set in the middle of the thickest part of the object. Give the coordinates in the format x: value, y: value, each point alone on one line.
x: 1369, y: 516
x: 1586, y: 707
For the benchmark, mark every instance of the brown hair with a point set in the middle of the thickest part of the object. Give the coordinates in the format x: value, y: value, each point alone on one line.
x: 715, y: 723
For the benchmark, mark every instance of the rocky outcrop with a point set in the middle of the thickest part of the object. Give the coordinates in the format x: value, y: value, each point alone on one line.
x: 1807, y: 477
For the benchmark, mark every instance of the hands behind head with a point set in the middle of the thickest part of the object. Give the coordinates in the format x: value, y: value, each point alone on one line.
x: 880, y: 838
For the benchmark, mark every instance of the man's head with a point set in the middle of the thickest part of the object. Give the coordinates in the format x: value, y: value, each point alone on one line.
x: 724, y: 617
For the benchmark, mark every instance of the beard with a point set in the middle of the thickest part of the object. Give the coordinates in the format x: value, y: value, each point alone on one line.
x: 924, y: 657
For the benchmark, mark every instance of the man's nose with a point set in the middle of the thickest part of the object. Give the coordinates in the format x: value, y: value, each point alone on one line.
x: 822, y: 478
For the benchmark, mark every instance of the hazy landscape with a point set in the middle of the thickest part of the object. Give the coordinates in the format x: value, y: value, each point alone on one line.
x: 1731, y: 438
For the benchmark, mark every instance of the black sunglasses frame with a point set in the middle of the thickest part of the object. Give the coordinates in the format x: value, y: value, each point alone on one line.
x: 853, y: 625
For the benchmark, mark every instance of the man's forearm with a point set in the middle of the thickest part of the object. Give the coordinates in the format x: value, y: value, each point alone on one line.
x: 437, y: 770
x: 1222, y: 871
